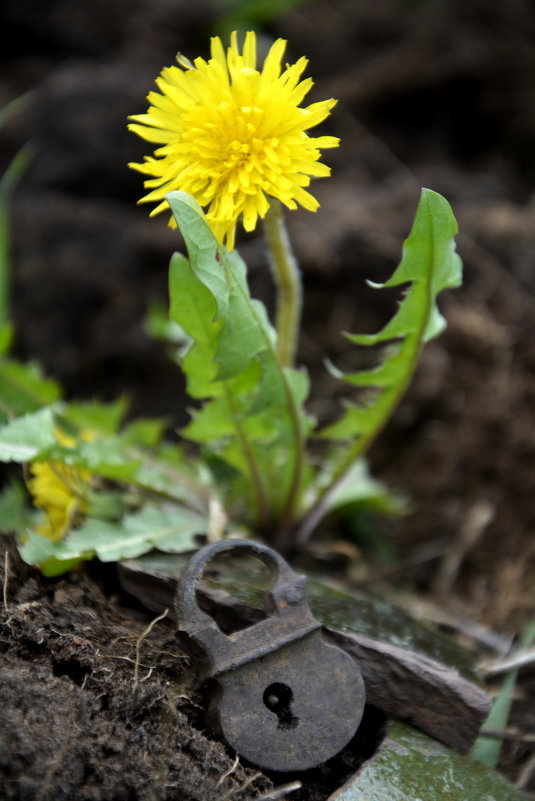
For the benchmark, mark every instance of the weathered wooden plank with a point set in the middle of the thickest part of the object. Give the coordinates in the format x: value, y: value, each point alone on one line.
x: 414, y: 688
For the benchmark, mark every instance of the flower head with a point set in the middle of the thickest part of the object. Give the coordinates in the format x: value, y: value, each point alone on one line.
x: 232, y: 135
x: 60, y: 491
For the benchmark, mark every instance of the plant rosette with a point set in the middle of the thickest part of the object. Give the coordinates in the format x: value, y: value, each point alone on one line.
x: 232, y: 147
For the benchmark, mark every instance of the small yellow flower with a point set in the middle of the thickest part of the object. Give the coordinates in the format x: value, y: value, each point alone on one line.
x: 60, y: 491
x: 232, y: 135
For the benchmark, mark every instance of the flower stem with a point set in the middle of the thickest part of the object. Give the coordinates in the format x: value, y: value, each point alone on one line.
x: 287, y: 279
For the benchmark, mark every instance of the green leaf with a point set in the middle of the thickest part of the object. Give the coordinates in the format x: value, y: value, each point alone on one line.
x: 144, y: 432
x: 15, y: 514
x: 132, y: 456
x: 253, y: 416
x: 174, y: 473
x: 359, y: 489
x: 25, y: 438
x: 159, y: 326
x: 102, y: 418
x: 105, y: 456
x: 23, y: 389
x: 194, y: 307
x: 42, y: 553
x: 6, y: 337
x: 429, y: 265
x: 171, y: 529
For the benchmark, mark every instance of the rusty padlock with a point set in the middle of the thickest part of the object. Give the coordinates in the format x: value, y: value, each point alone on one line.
x: 287, y: 699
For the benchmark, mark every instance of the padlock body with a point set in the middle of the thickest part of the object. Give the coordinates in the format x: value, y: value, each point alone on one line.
x: 293, y: 708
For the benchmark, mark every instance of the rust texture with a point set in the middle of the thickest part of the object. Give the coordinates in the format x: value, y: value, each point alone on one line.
x: 287, y: 700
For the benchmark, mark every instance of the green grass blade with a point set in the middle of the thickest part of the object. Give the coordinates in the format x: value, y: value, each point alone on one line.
x: 486, y: 749
x: 8, y: 182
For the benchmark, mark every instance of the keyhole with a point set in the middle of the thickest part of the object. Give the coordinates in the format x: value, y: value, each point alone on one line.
x: 278, y: 698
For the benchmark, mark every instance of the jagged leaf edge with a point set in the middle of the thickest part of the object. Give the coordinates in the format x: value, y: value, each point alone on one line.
x: 137, y: 533
x: 201, y: 242
x: 415, y: 322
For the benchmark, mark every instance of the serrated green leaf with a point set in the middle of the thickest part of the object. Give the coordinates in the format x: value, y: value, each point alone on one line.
x: 106, y: 456
x: 26, y: 437
x: 152, y: 527
x: 239, y: 329
x: 132, y: 456
x: 23, y: 389
x: 172, y: 530
x: 45, y: 554
x: 253, y: 416
x: 429, y: 265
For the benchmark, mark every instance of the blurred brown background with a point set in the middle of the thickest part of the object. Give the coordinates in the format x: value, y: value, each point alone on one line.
x: 436, y: 93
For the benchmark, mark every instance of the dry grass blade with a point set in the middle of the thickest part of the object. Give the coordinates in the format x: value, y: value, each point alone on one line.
x: 138, y: 645
x: 279, y: 792
x: 514, y: 662
x: 242, y: 787
x: 229, y: 772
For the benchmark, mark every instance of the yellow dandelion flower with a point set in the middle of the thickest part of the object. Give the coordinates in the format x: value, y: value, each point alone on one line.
x: 60, y: 491
x: 232, y: 135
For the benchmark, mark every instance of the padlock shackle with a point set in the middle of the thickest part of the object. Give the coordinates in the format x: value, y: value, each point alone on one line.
x: 285, y: 583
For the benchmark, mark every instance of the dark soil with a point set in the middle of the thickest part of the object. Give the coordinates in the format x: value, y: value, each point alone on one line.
x: 436, y: 93
x: 74, y: 724
x: 97, y: 707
